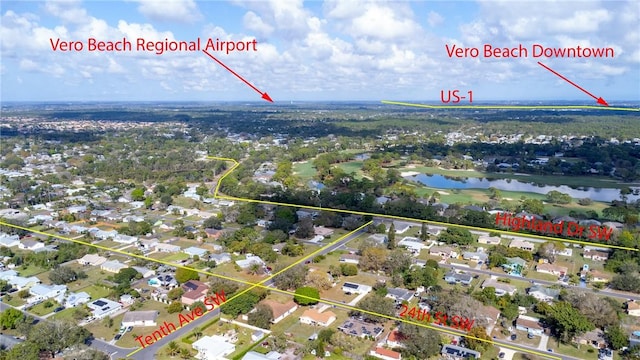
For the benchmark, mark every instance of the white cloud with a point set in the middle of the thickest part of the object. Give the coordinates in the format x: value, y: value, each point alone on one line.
x: 180, y: 11
x: 67, y: 10
x: 434, y: 19
x: 253, y: 22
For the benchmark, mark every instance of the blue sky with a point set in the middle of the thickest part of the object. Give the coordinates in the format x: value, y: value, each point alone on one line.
x: 318, y: 50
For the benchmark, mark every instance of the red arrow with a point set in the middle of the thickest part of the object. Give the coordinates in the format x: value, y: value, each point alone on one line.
x: 264, y: 94
x: 598, y: 99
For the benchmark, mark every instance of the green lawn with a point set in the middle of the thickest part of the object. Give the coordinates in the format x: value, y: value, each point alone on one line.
x: 66, y: 314
x: 15, y: 300
x: 572, y: 350
x: 95, y: 291
x: 29, y: 270
x: 41, y: 310
x: 177, y: 257
x: 304, y: 170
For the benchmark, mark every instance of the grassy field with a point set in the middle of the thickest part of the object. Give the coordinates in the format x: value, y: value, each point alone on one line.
x: 96, y: 291
x: 304, y: 170
x: 29, y: 270
x: 41, y: 309
x: 572, y: 350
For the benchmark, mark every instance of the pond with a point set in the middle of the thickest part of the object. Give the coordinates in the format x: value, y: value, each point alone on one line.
x: 444, y: 182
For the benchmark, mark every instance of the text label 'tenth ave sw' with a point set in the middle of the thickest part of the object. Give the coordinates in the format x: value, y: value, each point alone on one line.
x: 489, y: 51
x: 156, y: 47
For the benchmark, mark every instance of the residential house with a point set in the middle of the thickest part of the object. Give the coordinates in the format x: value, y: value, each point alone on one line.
x: 195, y: 251
x: 147, y: 244
x: 271, y: 355
x: 113, y: 266
x: 220, y: 258
x: 542, y: 293
x: 489, y: 240
x: 500, y: 287
x: 595, y: 255
x: 399, y: 295
x: 633, y: 308
x: 7, y: 341
x: 322, y: 231
x: 395, y: 338
x: 521, y: 244
x: 385, y: 354
x: 125, y: 239
x: 213, y: 233
x: 250, y: 260
x: 453, y: 277
x: 358, y: 328
x: 595, y: 338
x: 314, y: 317
x: 596, y: 276
x: 488, y: 315
x: 280, y: 311
x: 104, y: 307
x: 379, y: 239
x: 75, y: 299
x: 257, y: 335
x: 194, y: 291
x: 140, y: 318
x: 351, y: 288
x: 552, y: 269
x: 92, y: 259
x: 30, y: 245
x: 163, y: 280
x: 350, y: 259
x: 8, y: 274
x: 529, y: 324
x: 22, y: 283
x: 514, y: 264
x: 213, y: 347
x: 305, y: 213
x: 477, y: 256
x: 104, y: 235
x: 9, y: 240
x: 413, y: 244
x: 41, y: 292
x: 445, y: 252
x: 168, y: 248
x: 458, y: 352
x: 145, y: 272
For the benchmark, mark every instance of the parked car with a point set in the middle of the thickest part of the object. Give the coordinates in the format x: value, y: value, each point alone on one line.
x: 501, y: 355
x: 117, y: 337
x: 514, y: 336
x: 59, y: 308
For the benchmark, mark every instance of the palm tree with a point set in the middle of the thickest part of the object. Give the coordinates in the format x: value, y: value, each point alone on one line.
x: 197, y: 332
x: 255, y: 268
x: 185, y: 353
x: 173, y: 348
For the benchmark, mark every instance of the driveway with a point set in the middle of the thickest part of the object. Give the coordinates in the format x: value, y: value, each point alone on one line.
x: 544, y: 339
x: 508, y: 353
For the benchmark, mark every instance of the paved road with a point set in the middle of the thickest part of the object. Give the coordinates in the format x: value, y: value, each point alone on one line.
x: 605, y: 292
x: 114, y: 351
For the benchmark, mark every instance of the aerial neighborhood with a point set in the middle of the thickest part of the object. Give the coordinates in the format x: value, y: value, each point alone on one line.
x: 330, y: 249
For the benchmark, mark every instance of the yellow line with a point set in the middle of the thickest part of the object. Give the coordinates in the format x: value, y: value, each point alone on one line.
x: 327, y: 301
x: 281, y: 271
x: 533, y: 236
x: 521, y: 107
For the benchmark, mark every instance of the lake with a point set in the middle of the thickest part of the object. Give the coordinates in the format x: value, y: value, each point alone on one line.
x: 444, y: 182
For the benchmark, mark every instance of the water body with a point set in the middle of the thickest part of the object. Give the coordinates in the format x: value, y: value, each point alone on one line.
x: 443, y: 182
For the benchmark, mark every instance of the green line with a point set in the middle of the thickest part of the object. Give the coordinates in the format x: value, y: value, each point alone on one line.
x: 506, y: 107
